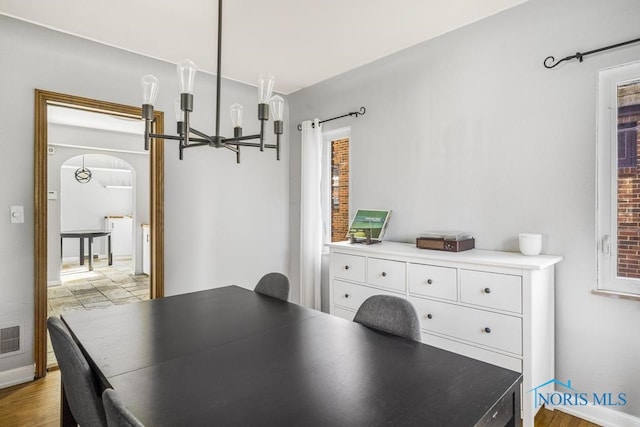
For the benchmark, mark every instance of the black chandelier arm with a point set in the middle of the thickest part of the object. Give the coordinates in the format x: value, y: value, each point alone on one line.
x: 361, y: 112
x: 549, y: 60
x: 199, y: 141
x: 235, y: 149
x: 162, y: 136
x: 251, y: 144
x: 203, y: 136
x: 182, y: 147
x: 242, y: 138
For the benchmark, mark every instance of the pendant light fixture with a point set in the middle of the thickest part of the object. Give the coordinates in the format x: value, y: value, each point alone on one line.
x: 189, y: 137
x: 83, y: 175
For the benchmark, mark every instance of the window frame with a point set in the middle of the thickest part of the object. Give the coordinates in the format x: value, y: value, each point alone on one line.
x: 607, y: 179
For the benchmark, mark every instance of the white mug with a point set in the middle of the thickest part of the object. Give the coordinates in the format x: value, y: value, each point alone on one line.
x: 530, y: 243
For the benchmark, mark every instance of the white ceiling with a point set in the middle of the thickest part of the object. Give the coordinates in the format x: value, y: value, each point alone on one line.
x: 300, y: 42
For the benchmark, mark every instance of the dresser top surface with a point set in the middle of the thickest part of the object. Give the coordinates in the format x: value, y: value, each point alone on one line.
x: 472, y: 256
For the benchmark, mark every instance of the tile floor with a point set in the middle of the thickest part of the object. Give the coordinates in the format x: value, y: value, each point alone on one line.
x: 88, y: 290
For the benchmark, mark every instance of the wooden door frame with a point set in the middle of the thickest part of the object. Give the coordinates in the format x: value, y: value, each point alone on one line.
x: 156, y: 195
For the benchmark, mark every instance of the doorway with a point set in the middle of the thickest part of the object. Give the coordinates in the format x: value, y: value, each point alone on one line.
x: 43, y: 101
x: 97, y: 195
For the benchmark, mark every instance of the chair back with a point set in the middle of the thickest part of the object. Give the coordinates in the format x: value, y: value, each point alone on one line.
x: 118, y: 415
x: 80, y: 387
x: 275, y: 285
x: 389, y: 314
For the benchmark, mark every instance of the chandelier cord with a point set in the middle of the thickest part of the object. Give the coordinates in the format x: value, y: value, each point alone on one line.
x: 218, y: 75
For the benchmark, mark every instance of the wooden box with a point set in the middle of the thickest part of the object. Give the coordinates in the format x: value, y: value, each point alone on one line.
x: 445, y: 245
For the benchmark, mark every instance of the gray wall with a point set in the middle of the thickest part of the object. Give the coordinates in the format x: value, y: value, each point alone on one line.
x: 469, y: 131
x: 224, y: 223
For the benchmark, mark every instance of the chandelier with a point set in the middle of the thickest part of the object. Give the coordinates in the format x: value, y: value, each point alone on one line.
x: 189, y: 137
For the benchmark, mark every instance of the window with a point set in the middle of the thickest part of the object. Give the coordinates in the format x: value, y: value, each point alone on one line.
x: 339, y: 189
x: 619, y: 179
x: 335, y: 168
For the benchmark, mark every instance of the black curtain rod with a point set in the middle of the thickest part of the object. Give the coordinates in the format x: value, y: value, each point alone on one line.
x: 579, y: 56
x: 353, y: 113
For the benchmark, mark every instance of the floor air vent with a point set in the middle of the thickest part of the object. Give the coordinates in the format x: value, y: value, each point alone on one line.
x: 10, y: 339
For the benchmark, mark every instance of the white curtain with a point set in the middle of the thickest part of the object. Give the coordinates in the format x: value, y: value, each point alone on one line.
x: 311, y: 214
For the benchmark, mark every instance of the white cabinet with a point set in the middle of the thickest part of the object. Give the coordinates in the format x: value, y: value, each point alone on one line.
x: 146, y: 249
x: 497, y: 307
x: 121, y: 228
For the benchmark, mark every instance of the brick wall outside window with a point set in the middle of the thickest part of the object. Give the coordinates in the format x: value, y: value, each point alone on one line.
x: 339, y: 189
x: 628, y: 181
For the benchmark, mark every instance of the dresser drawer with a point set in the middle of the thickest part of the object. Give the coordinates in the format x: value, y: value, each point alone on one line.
x: 494, y: 330
x: 385, y: 273
x: 433, y: 281
x: 350, y: 267
x: 351, y: 296
x: 492, y: 290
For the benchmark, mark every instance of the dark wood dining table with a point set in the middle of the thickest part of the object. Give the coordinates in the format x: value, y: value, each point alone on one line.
x: 89, y: 235
x: 232, y: 357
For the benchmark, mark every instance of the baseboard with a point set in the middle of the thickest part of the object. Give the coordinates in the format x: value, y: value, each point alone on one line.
x: 75, y: 259
x: 51, y: 283
x: 601, y: 415
x: 24, y: 374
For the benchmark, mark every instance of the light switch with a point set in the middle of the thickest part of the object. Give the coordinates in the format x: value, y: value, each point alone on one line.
x: 17, y: 214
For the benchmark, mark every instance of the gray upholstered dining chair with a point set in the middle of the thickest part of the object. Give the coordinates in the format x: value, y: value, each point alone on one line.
x: 275, y: 285
x: 389, y: 314
x: 118, y: 415
x: 80, y: 387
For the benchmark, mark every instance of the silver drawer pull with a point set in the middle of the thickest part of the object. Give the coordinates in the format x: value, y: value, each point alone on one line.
x: 487, y: 330
x: 486, y: 291
x: 384, y: 274
x: 429, y: 281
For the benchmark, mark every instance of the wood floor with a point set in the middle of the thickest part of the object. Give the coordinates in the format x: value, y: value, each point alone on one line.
x: 38, y: 404
x: 32, y: 404
x: 546, y: 418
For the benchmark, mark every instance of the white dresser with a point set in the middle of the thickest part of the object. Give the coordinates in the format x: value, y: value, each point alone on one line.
x: 497, y: 307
